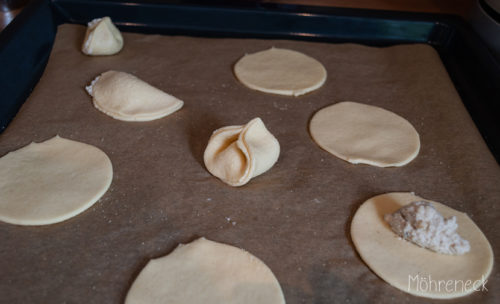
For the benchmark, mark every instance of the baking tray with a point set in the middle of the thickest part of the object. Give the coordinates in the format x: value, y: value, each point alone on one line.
x: 80, y: 264
x: 26, y: 43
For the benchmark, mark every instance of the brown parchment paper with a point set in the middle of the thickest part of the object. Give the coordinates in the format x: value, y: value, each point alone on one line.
x: 295, y: 217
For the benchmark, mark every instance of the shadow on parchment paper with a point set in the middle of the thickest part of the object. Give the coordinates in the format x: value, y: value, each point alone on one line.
x: 144, y: 261
x: 199, y: 132
x: 78, y: 39
x: 234, y: 74
x: 326, y: 287
x: 338, y: 290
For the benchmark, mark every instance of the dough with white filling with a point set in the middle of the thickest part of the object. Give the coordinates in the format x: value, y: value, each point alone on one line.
x: 126, y: 97
x: 206, y: 272
x: 421, y: 224
x: 49, y: 182
x: 235, y: 154
x: 364, y: 134
x: 102, y: 38
x: 405, y: 265
x: 280, y: 71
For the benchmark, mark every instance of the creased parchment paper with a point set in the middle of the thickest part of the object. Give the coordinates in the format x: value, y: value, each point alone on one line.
x: 295, y: 218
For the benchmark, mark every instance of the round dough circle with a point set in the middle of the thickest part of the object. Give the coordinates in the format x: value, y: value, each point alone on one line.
x: 280, y: 71
x: 49, y: 182
x: 365, y: 134
x: 407, y: 266
x: 206, y: 272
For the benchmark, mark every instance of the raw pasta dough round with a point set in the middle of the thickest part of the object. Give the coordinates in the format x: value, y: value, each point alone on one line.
x: 49, y: 182
x: 280, y: 71
x: 365, y: 134
x: 235, y: 154
x: 125, y: 97
x: 407, y: 266
x: 206, y: 272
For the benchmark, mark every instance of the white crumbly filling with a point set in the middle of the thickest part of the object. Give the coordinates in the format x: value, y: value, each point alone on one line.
x: 90, y: 87
x: 421, y: 224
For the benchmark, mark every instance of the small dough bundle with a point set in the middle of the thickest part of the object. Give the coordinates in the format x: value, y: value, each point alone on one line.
x: 280, y: 71
x: 365, y: 134
x: 49, y: 182
x: 102, y: 38
x: 125, y: 97
x: 413, y: 269
x: 235, y: 154
x: 206, y: 272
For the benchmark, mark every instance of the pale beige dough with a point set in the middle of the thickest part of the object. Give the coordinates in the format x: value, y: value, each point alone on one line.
x: 280, y: 71
x: 51, y: 181
x: 102, y: 38
x: 235, y: 154
x: 364, y: 134
x: 126, y: 97
x: 206, y: 272
x: 398, y: 261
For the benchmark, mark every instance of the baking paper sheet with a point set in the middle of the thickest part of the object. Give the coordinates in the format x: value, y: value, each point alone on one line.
x: 295, y: 217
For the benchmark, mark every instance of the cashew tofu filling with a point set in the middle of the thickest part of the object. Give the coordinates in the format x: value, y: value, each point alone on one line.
x: 421, y: 224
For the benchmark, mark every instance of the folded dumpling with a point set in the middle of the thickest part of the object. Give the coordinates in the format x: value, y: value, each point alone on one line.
x: 235, y: 154
x: 126, y: 97
x: 102, y: 38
